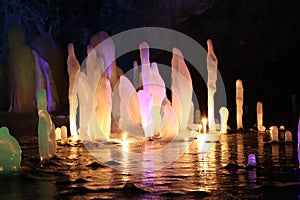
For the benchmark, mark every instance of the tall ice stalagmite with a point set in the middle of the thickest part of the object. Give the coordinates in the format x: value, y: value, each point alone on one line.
x: 182, y: 89
x: 259, y: 112
x: 239, y: 103
x: 212, y: 63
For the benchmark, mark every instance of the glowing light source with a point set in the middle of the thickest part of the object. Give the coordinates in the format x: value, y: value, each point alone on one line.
x: 204, y: 123
x: 124, y: 136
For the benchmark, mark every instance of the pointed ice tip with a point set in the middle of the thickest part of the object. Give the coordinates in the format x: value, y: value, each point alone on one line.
x: 103, y: 35
x: 70, y: 48
x: 144, y: 45
x: 239, y: 82
x: 210, y: 46
x: 177, y: 52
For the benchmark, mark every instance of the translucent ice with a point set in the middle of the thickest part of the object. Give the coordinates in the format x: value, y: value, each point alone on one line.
x: 169, y: 123
x: 103, y: 107
x: 58, y: 133
x: 259, y: 112
x: 212, y: 64
x: 239, y: 103
x: 73, y: 69
x: 10, y: 153
x: 224, y: 113
x: 181, y: 89
x: 45, y: 80
x: 21, y: 72
x: 252, y: 160
x: 46, y: 129
x: 146, y: 105
x: 64, y: 134
x: 85, y: 106
x: 274, y: 133
x: 106, y: 51
x: 130, y: 116
x: 288, y: 136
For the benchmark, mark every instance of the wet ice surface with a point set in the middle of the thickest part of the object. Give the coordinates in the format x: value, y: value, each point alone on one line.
x: 76, y: 174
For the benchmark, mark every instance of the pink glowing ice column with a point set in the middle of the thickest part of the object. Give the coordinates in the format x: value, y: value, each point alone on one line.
x: 239, y: 103
x: 212, y: 64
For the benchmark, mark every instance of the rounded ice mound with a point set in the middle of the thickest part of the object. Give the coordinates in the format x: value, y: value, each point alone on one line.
x: 10, y: 153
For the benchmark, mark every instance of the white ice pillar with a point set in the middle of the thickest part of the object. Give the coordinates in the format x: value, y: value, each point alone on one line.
x: 224, y: 113
x: 212, y: 64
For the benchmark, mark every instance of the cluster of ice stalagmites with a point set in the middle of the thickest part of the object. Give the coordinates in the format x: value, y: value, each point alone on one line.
x: 90, y: 89
x: 142, y: 110
x: 10, y: 153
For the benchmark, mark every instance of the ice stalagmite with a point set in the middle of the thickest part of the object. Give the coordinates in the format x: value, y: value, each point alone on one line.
x: 85, y: 106
x: 169, y: 123
x: 73, y: 69
x: 212, y: 64
x: 259, y: 112
x: 105, y: 49
x: 146, y: 105
x: 154, y: 85
x: 10, y: 153
x: 130, y: 115
x: 224, y: 113
x: 21, y: 72
x: 239, y: 103
x: 44, y: 79
x: 103, y: 107
x: 288, y: 136
x: 274, y: 133
x: 182, y: 89
x: 64, y: 134
x: 136, y: 75
x: 46, y: 129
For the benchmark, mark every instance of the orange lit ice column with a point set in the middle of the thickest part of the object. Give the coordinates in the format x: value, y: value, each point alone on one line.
x: 239, y: 103
x: 212, y: 63
x: 105, y: 49
x: 73, y: 69
x: 21, y: 72
x: 259, y: 112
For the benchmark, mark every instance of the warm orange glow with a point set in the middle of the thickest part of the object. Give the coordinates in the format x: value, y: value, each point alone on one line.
x: 204, y: 123
x: 200, y: 128
x: 124, y: 136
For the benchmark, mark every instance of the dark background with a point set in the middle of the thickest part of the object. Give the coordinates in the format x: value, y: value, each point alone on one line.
x: 256, y: 41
